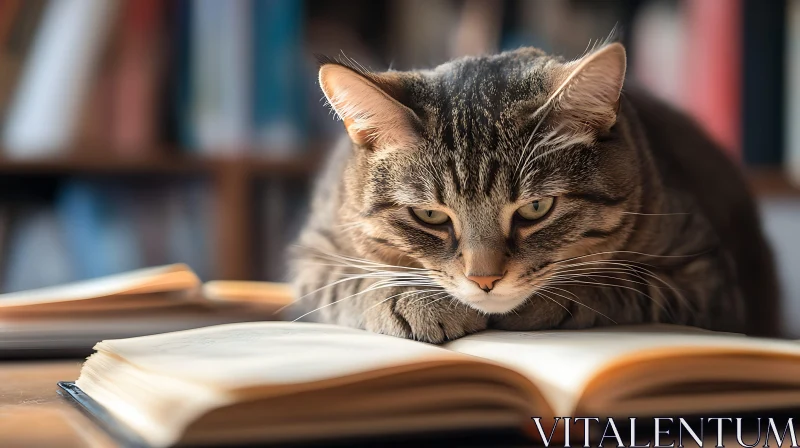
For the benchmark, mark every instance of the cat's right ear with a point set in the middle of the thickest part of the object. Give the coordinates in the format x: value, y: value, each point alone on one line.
x: 589, y: 89
x: 371, y: 116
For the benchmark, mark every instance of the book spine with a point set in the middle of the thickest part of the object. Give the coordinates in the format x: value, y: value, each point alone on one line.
x: 135, y: 77
x: 713, y: 70
x: 18, y: 23
x: 180, y: 84
x: 274, y: 217
x: 36, y: 252
x: 187, y: 228
x: 278, y: 115
x: 658, y: 40
x: 236, y: 56
x: 221, y: 75
x: 762, y: 100
x: 56, y: 77
x: 8, y: 66
x: 98, y: 229
x: 792, y: 124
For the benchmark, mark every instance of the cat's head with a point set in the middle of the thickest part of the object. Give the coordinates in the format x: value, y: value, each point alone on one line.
x: 488, y: 171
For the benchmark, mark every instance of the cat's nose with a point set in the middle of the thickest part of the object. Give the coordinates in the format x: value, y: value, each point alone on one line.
x: 485, y: 282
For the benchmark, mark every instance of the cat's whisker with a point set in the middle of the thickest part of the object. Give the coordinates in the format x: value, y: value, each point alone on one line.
x: 434, y: 294
x: 369, y: 269
x: 630, y: 252
x: 656, y: 214
x: 394, y: 281
x: 610, y: 261
x: 638, y: 270
x: 393, y: 296
x: 372, y: 287
x: 608, y: 268
x: 599, y: 267
x: 633, y: 269
x: 362, y: 261
x: 541, y: 143
x: 552, y: 286
x: 544, y: 110
x: 591, y: 275
x: 564, y: 141
x: 609, y: 285
x: 334, y: 283
x: 380, y: 273
x: 542, y: 292
x: 601, y: 271
x: 350, y: 225
x: 419, y: 294
x: 525, y: 154
x: 437, y: 300
x: 320, y: 252
x: 601, y: 274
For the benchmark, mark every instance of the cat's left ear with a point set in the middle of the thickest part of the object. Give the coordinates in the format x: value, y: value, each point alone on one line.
x: 588, y: 90
x: 373, y: 117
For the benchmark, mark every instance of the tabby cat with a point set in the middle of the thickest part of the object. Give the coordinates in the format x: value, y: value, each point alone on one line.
x: 523, y: 191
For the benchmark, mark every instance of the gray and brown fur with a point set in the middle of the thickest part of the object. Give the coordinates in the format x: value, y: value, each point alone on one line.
x: 661, y: 222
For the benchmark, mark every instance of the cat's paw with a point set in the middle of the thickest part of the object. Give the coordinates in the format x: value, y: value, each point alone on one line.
x: 424, y: 320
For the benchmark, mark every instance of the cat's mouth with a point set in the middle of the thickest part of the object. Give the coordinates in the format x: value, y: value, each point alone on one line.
x: 493, y: 303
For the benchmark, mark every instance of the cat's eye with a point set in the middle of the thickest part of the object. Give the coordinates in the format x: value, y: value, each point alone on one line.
x: 535, y: 209
x: 432, y: 217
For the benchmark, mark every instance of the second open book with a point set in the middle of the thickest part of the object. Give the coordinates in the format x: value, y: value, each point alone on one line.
x: 69, y: 319
x: 279, y: 381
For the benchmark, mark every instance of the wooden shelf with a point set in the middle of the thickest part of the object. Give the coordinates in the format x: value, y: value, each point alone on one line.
x: 231, y: 179
x: 771, y: 183
x: 303, y: 165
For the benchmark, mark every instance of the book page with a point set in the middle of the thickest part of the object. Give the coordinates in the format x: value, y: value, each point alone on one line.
x: 562, y: 362
x: 270, y: 353
x: 174, y: 277
x: 299, y: 373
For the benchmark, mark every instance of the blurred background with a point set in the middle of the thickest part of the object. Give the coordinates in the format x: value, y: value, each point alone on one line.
x: 143, y: 132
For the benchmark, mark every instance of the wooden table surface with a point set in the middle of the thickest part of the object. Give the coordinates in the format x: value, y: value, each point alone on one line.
x: 32, y: 414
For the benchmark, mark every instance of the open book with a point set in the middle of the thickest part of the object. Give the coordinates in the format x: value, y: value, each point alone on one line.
x: 275, y: 381
x: 73, y: 317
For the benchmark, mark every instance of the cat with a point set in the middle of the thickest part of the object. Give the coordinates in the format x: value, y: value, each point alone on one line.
x: 522, y: 191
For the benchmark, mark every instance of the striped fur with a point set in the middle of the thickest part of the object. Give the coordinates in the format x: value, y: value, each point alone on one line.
x: 634, y: 234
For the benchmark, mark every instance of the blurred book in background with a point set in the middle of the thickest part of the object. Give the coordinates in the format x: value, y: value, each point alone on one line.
x: 56, y: 77
x: 97, y: 224
x: 136, y: 77
x: 278, y: 111
x: 792, y: 105
x: 36, y: 255
x: 18, y: 23
x: 763, y: 82
x: 67, y: 320
x: 713, y: 74
x: 220, y: 79
x: 689, y: 54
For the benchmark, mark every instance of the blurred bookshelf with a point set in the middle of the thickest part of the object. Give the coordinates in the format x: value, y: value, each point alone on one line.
x: 772, y: 183
x: 233, y: 183
x: 302, y: 165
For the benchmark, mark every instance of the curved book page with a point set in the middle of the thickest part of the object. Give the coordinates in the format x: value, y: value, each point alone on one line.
x: 277, y: 381
x: 630, y: 370
x: 163, y: 279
